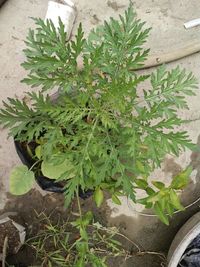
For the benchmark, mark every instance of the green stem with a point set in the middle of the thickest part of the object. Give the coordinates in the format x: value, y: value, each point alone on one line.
x: 79, y: 205
x: 34, y: 165
x: 88, y: 142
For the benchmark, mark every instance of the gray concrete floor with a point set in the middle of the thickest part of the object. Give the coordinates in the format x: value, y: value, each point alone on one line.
x: 166, y: 19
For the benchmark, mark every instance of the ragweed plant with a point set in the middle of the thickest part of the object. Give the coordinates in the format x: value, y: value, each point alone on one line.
x: 102, y: 132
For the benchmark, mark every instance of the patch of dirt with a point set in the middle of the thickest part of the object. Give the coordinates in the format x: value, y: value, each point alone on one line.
x: 8, y: 230
x: 195, y: 157
x: 27, y: 210
x: 114, y: 5
x: 171, y: 166
x: 95, y: 20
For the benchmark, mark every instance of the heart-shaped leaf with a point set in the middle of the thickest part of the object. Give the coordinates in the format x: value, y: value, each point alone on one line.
x: 21, y: 180
x: 54, y: 171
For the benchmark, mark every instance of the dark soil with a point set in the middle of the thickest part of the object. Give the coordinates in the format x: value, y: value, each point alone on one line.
x: 7, y: 229
x: 29, y: 208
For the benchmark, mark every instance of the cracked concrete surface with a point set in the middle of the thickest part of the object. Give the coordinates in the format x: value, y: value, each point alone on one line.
x: 166, y: 19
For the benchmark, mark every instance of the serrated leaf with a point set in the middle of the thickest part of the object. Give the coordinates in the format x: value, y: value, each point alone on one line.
x: 149, y: 205
x: 174, y: 199
x: 154, y: 198
x: 116, y: 200
x: 81, y: 247
x: 83, y: 234
x: 140, y: 166
x: 143, y: 201
x: 170, y: 209
x: 158, y: 184
x: 87, y: 218
x: 150, y: 191
x: 182, y: 179
x: 159, y: 212
x: 163, y: 201
x: 141, y: 183
x: 21, y: 180
x: 98, y: 196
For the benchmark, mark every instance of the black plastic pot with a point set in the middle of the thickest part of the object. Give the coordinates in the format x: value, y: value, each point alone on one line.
x: 44, y: 182
x: 2, y: 2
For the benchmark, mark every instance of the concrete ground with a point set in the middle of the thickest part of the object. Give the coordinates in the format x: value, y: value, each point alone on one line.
x: 166, y: 17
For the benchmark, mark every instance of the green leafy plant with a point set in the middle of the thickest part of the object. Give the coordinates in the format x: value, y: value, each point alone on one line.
x: 101, y: 132
x: 77, y: 243
x: 81, y: 242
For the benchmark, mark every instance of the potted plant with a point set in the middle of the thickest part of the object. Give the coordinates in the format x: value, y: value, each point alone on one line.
x: 101, y: 132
